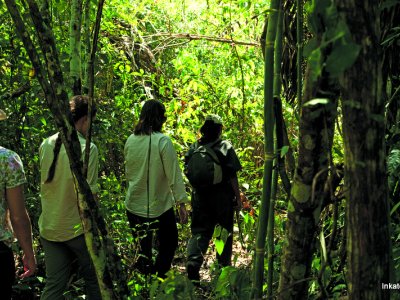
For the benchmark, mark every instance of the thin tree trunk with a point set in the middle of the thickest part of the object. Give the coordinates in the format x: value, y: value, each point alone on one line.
x: 75, y: 46
x: 367, y: 212
x: 271, y: 214
x: 90, y: 77
x: 280, y: 122
x: 269, y: 120
x: 86, y: 46
x: 299, y: 57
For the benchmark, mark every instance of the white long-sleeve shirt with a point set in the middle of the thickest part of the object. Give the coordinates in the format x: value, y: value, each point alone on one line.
x: 165, y: 176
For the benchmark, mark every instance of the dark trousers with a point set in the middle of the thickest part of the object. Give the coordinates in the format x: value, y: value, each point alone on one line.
x: 210, y: 209
x: 7, y: 272
x: 166, y: 232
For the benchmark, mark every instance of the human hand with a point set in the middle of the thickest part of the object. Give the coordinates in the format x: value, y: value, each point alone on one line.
x: 29, y: 266
x: 237, y: 204
x: 183, y: 214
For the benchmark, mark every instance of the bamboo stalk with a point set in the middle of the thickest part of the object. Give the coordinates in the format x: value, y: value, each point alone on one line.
x: 268, y: 149
x: 271, y: 219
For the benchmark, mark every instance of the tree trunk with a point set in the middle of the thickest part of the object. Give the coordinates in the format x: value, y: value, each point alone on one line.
x: 75, y: 46
x: 316, y: 135
x: 316, y: 128
x: 299, y: 55
x: 367, y: 211
x: 51, y: 80
x: 86, y: 46
x: 274, y: 188
x: 90, y: 76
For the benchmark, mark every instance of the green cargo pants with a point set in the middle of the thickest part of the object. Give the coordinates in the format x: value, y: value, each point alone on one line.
x: 58, y: 259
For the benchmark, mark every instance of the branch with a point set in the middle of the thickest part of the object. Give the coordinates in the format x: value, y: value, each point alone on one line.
x: 90, y: 77
x: 18, y: 92
x: 192, y: 37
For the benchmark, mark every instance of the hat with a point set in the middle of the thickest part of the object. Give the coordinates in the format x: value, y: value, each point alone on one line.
x: 3, y: 115
x: 215, y: 118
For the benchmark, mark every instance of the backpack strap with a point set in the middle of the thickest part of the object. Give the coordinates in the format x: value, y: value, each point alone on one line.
x: 212, y: 152
x: 216, y: 142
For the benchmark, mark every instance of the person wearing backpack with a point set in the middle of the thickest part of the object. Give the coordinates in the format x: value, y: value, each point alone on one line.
x: 211, y: 165
x: 155, y: 185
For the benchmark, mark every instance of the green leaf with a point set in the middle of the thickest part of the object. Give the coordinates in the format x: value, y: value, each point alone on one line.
x: 395, y: 208
x: 217, y: 231
x: 219, y: 245
x: 246, y: 186
x: 323, y: 246
x: 311, y: 45
x: 284, y: 150
x: 342, y: 57
x: 316, y: 101
x: 314, y: 61
x: 393, y: 161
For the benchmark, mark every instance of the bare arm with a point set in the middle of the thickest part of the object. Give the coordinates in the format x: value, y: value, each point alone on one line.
x: 22, y: 227
x: 235, y: 186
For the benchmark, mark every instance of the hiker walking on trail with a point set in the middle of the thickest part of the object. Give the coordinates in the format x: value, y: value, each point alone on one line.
x: 12, y: 210
x: 211, y: 165
x: 155, y: 184
x: 60, y: 225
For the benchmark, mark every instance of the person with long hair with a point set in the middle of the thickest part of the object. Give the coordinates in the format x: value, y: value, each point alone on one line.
x: 60, y: 225
x: 155, y: 184
x: 213, y: 204
x: 12, y: 210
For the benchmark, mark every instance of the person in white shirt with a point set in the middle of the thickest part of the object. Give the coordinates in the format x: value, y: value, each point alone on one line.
x: 155, y: 185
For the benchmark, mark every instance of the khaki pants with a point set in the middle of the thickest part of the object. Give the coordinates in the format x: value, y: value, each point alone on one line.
x: 58, y: 259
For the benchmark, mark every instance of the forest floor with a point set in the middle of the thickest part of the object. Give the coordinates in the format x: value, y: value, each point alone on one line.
x: 241, y: 258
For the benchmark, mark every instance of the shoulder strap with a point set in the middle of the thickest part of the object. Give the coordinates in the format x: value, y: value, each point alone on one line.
x: 212, y: 152
x: 215, y: 143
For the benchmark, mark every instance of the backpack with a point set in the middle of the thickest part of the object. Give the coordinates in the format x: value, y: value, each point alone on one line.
x: 204, y: 168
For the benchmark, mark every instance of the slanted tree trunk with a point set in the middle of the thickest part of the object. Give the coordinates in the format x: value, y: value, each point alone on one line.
x: 367, y: 214
x: 51, y: 80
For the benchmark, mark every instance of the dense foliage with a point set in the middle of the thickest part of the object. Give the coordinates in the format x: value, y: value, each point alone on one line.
x: 198, y: 57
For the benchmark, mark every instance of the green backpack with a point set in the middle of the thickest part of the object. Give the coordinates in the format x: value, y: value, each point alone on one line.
x: 204, y: 168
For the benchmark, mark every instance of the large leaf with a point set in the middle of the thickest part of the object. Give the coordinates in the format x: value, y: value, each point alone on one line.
x: 342, y: 57
x: 314, y: 61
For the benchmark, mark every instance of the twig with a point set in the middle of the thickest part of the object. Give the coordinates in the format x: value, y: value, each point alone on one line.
x: 191, y: 37
x: 18, y: 92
